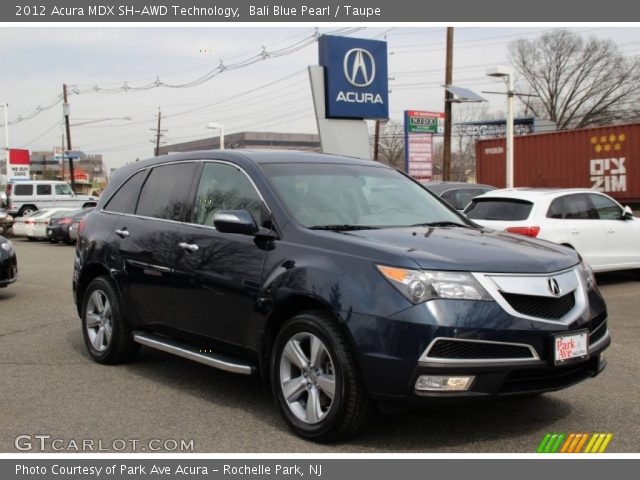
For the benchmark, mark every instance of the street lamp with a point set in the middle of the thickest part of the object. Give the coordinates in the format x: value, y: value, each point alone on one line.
x: 506, y: 73
x: 219, y: 126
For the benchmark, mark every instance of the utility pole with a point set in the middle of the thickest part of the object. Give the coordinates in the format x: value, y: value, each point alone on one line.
x: 448, y: 97
x: 68, y: 130
x: 376, y: 141
x: 6, y: 128
x: 158, y: 133
x: 158, y: 130
x: 62, y: 161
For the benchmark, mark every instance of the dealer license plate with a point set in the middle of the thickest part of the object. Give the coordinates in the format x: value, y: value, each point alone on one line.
x: 570, y: 346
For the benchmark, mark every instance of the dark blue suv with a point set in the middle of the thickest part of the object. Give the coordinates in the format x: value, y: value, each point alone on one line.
x: 345, y: 284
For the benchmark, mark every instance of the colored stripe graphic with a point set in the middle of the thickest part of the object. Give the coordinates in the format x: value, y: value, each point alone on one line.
x: 574, y: 443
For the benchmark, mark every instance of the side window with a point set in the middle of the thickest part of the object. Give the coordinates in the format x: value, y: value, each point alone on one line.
x: 224, y: 187
x: 125, y: 199
x: 578, y: 207
x: 167, y: 192
x: 63, y: 189
x: 606, y: 208
x: 556, y: 208
x: 43, y: 189
x: 23, y: 189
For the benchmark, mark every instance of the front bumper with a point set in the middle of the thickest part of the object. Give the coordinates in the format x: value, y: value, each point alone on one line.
x: 391, y: 351
x: 8, y: 270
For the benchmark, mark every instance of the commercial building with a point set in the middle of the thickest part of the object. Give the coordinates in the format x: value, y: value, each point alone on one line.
x: 250, y: 140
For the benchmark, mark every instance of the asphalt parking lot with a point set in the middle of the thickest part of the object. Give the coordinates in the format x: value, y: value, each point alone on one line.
x: 50, y: 386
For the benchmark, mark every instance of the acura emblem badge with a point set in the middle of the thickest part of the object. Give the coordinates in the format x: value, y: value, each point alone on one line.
x: 359, y: 67
x: 553, y: 286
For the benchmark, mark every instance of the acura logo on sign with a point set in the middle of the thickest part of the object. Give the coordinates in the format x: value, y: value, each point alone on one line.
x: 359, y: 67
x: 553, y: 286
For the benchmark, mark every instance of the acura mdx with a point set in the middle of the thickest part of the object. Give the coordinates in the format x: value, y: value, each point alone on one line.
x: 343, y: 283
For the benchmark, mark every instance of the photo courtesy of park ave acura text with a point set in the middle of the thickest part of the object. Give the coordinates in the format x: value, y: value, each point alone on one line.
x: 339, y: 231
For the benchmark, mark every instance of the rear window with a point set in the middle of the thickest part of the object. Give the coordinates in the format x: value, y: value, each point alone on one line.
x: 125, y: 199
x: 166, y: 193
x: 460, y: 198
x: 507, y: 209
x: 22, y: 189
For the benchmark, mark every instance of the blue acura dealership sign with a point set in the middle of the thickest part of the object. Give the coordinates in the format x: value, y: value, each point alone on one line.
x: 356, y: 79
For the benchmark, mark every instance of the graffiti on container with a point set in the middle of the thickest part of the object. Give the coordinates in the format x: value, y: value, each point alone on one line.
x: 608, y: 174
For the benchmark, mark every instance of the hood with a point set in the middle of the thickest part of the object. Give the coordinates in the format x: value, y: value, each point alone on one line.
x: 470, y: 249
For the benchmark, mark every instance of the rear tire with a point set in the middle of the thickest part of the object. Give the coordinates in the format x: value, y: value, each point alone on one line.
x: 312, y: 361
x: 26, y: 210
x: 107, y: 334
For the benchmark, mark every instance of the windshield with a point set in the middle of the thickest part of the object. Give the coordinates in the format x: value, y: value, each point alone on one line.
x: 355, y: 195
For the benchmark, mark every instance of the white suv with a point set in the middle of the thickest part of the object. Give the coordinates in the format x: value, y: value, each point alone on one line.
x: 606, y: 234
x: 24, y: 197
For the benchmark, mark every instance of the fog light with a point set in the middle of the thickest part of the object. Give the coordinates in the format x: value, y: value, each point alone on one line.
x: 440, y: 383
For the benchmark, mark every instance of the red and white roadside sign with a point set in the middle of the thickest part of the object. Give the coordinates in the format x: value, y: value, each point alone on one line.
x: 18, y: 167
x: 419, y: 156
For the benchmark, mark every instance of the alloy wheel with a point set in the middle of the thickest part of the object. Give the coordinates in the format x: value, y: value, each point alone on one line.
x: 307, y: 377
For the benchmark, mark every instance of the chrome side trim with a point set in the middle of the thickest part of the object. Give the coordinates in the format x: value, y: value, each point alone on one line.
x: 181, y: 350
x: 425, y: 358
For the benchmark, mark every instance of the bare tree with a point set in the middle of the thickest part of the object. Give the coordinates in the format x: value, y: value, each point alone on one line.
x: 391, y: 146
x: 579, y: 82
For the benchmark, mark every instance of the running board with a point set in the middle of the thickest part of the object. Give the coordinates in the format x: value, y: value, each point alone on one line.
x: 185, y: 351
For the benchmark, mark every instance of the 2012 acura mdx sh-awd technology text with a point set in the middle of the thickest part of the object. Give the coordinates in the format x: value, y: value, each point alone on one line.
x: 342, y: 282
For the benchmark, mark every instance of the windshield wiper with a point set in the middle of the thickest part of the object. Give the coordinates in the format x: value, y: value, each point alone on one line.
x: 440, y: 224
x: 343, y: 228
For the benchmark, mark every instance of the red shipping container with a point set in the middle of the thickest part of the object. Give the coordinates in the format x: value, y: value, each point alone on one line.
x: 604, y: 158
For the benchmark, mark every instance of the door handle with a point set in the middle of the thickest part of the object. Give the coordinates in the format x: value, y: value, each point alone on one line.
x: 192, y: 247
x: 575, y: 232
x: 123, y: 232
x: 611, y: 230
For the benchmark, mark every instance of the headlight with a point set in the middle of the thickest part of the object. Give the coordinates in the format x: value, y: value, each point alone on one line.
x: 7, y: 246
x: 422, y: 285
x: 588, y: 275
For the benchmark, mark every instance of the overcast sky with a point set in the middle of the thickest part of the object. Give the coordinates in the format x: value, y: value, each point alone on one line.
x: 35, y: 62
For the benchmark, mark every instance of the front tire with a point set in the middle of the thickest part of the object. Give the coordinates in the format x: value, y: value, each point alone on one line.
x: 315, y: 381
x: 107, y: 335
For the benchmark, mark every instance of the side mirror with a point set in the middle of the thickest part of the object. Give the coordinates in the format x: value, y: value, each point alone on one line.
x: 235, y: 221
x: 627, y: 213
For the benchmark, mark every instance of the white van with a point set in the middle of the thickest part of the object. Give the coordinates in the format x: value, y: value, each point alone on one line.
x: 24, y: 197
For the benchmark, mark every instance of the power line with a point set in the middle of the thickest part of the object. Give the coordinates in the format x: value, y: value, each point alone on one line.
x: 264, y: 54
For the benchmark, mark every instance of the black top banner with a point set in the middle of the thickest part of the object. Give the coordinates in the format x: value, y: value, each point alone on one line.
x: 318, y: 11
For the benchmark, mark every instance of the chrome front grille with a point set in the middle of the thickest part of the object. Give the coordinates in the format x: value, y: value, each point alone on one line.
x: 551, y: 308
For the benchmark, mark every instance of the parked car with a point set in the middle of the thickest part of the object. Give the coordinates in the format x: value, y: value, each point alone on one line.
x: 341, y: 282
x: 603, y: 232
x: 41, y: 223
x: 26, y: 196
x: 23, y: 226
x: 457, y: 194
x: 60, y: 225
x: 34, y: 225
x: 6, y: 221
x: 8, y: 263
